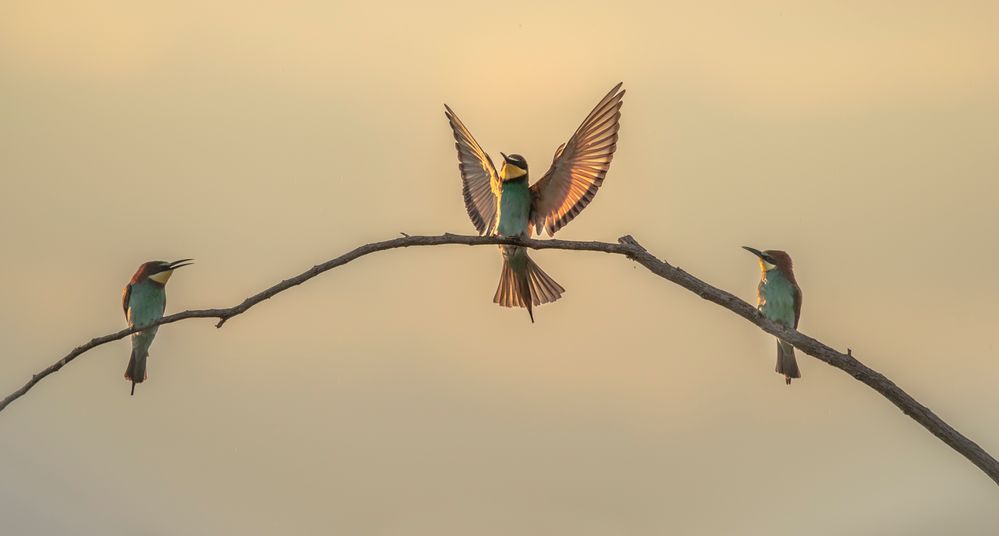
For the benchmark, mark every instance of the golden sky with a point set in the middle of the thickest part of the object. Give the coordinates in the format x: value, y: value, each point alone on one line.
x: 391, y: 396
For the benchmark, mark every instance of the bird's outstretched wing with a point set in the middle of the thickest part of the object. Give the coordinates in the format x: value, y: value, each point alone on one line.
x: 578, y: 168
x: 480, y: 182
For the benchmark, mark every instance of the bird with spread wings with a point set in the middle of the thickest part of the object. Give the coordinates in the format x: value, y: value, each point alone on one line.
x: 504, y: 204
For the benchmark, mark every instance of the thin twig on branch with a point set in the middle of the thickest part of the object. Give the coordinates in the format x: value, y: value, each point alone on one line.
x: 628, y: 247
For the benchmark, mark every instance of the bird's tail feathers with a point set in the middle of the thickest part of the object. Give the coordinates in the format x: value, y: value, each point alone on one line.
x: 786, y: 363
x: 136, y: 369
x: 523, y: 283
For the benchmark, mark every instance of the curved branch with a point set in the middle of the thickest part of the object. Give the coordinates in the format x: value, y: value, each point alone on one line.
x: 628, y: 247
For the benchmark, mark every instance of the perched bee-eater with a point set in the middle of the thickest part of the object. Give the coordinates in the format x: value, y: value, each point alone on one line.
x: 144, y: 300
x: 502, y: 204
x: 779, y: 298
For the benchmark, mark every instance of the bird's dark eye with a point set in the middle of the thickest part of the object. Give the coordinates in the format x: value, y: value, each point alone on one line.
x: 769, y: 259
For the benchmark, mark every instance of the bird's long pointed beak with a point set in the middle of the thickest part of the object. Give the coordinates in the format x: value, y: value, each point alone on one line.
x: 180, y: 264
x: 754, y: 251
x: 505, y: 159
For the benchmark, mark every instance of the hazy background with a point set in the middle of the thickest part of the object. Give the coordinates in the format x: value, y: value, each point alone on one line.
x: 391, y: 396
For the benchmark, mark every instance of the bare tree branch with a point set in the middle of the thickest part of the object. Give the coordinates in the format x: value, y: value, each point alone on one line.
x: 628, y: 247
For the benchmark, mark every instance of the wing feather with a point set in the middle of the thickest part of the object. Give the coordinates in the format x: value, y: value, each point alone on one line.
x: 797, y: 305
x: 125, y: 294
x: 579, y: 167
x: 480, y: 182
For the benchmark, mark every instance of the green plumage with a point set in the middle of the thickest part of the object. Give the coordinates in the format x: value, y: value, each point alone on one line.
x: 778, y: 296
x: 514, y: 208
x: 146, y: 301
x: 780, y: 301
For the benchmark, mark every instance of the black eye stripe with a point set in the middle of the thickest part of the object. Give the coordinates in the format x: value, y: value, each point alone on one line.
x: 517, y: 160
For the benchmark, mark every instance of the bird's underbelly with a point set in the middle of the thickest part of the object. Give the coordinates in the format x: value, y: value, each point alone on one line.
x: 143, y: 339
x: 779, y: 308
x: 512, y: 224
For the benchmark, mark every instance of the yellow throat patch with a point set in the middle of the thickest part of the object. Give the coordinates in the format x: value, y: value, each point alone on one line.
x: 510, y: 171
x: 766, y: 267
x: 162, y: 277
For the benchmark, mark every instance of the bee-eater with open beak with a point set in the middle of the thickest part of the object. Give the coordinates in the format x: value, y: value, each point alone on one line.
x: 502, y: 204
x: 779, y: 298
x: 144, y: 300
